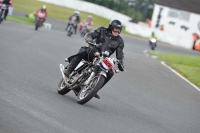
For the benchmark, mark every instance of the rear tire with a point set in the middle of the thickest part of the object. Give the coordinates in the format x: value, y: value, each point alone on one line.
x: 62, y: 88
x: 100, y: 81
x: 1, y: 16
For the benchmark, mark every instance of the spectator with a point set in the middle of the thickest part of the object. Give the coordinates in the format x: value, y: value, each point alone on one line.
x: 162, y: 27
x: 195, y: 38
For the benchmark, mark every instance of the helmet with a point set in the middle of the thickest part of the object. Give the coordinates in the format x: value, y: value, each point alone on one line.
x: 76, y: 12
x: 43, y: 7
x: 115, y: 24
x: 90, y: 16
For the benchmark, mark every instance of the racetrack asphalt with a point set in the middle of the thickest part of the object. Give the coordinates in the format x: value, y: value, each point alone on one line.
x: 147, y: 98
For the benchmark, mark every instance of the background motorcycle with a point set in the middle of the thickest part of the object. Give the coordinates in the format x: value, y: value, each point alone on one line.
x: 39, y: 19
x: 87, y: 78
x: 84, y: 29
x: 152, y: 43
x: 70, y: 29
x: 4, y: 7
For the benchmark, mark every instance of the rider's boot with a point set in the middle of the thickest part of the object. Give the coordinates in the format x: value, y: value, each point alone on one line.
x: 97, y: 96
x: 72, y: 65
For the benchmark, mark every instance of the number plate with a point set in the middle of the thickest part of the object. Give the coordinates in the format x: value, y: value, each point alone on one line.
x: 107, y: 63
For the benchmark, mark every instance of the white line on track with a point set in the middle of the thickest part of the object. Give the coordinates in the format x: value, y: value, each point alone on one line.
x: 145, y: 52
x: 163, y: 63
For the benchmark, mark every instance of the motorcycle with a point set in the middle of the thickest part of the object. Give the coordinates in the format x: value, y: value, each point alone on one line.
x: 152, y: 43
x: 84, y: 29
x: 39, y: 19
x: 4, y: 7
x: 70, y: 28
x: 88, y: 77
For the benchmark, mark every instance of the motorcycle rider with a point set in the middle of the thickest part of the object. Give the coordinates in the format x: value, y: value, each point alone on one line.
x: 152, y: 36
x: 8, y: 3
x: 75, y: 17
x: 88, y: 21
x: 43, y: 10
x: 108, y: 39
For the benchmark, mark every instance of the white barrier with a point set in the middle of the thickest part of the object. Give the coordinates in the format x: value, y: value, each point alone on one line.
x: 10, y: 10
x: 183, y: 40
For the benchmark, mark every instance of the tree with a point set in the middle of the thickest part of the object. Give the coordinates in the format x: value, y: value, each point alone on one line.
x: 137, y: 9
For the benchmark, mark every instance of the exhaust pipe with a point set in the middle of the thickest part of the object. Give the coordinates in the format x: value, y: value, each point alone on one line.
x: 62, y: 68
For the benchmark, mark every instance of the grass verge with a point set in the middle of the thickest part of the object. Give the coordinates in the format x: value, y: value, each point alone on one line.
x: 54, y: 11
x: 20, y: 19
x: 188, y: 66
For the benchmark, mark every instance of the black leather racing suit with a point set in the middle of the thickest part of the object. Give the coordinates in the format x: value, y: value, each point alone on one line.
x: 108, y: 43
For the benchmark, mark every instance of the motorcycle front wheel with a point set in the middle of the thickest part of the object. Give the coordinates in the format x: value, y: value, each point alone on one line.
x: 37, y: 25
x: 69, y: 32
x: 62, y: 88
x: 87, y: 92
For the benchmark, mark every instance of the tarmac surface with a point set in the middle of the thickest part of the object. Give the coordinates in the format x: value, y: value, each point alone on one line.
x: 147, y: 98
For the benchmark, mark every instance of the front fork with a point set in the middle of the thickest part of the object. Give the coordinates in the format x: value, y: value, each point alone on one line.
x: 91, y: 75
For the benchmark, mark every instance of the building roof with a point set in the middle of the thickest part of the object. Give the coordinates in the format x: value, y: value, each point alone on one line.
x: 187, y: 5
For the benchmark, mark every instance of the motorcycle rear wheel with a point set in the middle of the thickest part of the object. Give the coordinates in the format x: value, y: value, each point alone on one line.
x: 1, y: 16
x: 62, y: 88
x: 87, y: 93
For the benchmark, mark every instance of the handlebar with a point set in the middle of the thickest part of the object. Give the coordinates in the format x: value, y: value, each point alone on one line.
x: 91, y: 43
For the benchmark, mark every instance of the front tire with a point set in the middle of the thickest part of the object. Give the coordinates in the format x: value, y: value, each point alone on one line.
x: 36, y: 26
x: 87, y: 93
x: 62, y: 88
x: 69, y: 32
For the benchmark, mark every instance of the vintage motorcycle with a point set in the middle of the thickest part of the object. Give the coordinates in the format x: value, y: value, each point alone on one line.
x: 88, y: 77
x: 4, y: 7
x: 152, y: 43
x: 39, y: 19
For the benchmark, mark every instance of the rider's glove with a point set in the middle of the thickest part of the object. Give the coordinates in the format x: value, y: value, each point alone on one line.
x: 121, y: 66
x: 88, y: 38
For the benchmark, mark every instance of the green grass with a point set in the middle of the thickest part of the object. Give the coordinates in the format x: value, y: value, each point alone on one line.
x: 20, y: 19
x: 58, y: 12
x: 188, y: 66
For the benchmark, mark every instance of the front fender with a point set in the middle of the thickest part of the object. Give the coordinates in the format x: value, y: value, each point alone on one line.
x: 103, y: 73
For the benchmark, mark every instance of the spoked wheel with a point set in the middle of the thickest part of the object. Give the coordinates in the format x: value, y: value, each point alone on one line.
x: 87, y: 92
x: 62, y: 88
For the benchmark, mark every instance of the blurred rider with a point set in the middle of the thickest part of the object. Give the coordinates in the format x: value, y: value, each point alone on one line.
x: 153, y: 35
x: 42, y: 10
x: 8, y: 3
x: 76, y: 18
x: 87, y: 22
